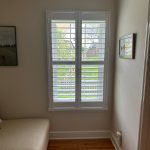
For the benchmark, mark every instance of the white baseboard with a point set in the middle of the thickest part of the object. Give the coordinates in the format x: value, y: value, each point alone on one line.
x: 114, y: 142
x: 80, y: 134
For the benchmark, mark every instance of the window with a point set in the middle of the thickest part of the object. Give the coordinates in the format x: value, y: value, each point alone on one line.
x: 77, y: 59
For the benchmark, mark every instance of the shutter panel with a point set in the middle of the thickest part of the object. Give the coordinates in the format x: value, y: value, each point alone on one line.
x: 92, y: 83
x: 92, y: 64
x: 64, y: 83
x: 63, y: 59
x: 63, y: 40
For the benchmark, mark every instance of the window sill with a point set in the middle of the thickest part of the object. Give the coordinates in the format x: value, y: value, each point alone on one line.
x: 78, y: 109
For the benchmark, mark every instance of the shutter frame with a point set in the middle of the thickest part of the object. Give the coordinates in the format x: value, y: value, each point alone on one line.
x: 83, y: 16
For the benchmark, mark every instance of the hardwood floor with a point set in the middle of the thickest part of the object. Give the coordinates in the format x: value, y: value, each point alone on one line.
x: 94, y: 144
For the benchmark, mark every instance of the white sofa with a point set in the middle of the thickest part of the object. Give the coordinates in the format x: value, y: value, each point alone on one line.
x: 24, y: 134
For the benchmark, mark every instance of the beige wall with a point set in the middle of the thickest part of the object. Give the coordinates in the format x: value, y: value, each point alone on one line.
x: 23, y: 89
x: 132, y: 17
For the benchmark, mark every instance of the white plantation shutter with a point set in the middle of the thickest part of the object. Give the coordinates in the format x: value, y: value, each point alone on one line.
x: 77, y: 46
x: 63, y: 60
x: 92, y: 83
x: 93, y: 54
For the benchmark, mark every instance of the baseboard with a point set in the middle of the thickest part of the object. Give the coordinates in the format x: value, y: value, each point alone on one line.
x: 80, y: 134
x: 114, y: 142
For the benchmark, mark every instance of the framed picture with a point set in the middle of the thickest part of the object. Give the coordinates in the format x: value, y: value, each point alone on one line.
x: 127, y: 45
x: 8, y: 46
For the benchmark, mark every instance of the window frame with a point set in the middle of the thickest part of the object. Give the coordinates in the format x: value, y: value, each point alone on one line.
x: 78, y: 16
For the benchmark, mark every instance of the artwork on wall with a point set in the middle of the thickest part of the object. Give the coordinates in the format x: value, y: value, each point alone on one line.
x: 127, y: 45
x: 8, y: 46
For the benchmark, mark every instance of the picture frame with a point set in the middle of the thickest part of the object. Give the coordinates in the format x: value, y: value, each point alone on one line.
x: 127, y: 45
x: 8, y: 46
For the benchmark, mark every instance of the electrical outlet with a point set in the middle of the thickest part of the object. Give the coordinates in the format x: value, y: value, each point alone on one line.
x: 119, y: 137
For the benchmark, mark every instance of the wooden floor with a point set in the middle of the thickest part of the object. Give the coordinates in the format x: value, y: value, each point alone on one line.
x: 95, y: 144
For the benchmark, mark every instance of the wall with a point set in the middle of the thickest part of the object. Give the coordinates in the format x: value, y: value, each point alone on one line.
x: 132, y: 17
x: 23, y: 89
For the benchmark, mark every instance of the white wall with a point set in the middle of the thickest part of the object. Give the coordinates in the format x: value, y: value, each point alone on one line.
x: 23, y: 89
x: 132, y: 17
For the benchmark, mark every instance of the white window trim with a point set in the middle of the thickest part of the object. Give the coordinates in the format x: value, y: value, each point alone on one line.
x: 77, y: 105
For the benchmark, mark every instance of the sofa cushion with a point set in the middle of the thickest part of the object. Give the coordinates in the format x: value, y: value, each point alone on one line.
x: 24, y: 134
